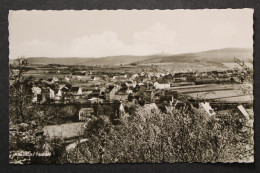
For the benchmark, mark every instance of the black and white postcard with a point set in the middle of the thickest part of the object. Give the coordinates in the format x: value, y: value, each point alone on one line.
x: 131, y: 86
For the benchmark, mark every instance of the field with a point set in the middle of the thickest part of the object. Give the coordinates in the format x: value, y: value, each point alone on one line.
x: 188, y: 66
x: 229, y: 93
x: 224, y: 95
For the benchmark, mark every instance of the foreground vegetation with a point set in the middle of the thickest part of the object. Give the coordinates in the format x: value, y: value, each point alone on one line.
x: 138, y: 135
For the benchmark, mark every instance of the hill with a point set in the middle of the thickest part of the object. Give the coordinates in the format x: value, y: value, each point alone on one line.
x: 111, y: 60
x: 225, y: 55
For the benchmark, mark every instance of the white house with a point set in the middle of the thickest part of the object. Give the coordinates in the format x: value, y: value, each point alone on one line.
x: 96, y: 100
x: 76, y: 90
x: 52, y: 95
x: 110, y: 94
x: 161, y: 85
x: 55, y: 79
x: 121, y: 108
x: 131, y: 83
x: 67, y: 79
x: 59, y: 94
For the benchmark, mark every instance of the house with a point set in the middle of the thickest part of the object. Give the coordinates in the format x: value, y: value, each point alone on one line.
x: 95, y: 78
x: 168, y: 77
x: 86, y: 92
x: 50, y: 81
x: 204, y: 74
x: 64, y: 89
x: 67, y: 79
x: 121, y: 108
x: 113, y: 78
x: 123, y: 76
x: 181, y: 79
x: 129, y: 91
x: 55, y: 79
x: 95, y: 93
x: 52, y: 94
x: 157, y: 96
x: 76, y: 90
x: 121, y: 95
x: 85, y: 113
x: 110, y: 92
x: 161, y: 85
x: 130, y: 84
x: 134, y: 76
x: 179, y: 75
x: 59, y: 93
x: 81, y: 73
x: 235, y: 79
x: 96, y: 100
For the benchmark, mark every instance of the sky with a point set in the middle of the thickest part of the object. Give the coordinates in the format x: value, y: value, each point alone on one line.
x: 99, y: 33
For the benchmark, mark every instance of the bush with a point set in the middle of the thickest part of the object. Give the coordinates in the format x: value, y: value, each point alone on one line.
x: 165, y: 137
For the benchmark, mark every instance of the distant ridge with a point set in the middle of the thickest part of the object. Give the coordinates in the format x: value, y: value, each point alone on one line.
x: 217, y: 56
x: 110, y: 60
x: 225, y: 55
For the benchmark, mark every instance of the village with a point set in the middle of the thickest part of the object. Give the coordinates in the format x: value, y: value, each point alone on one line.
x: 92, y: 86
x: 106, y: 86
x: 71, y: 97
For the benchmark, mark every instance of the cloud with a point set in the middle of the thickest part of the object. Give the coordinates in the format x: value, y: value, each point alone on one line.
x: 36, y: 48
x: 152, y: 40
x: 104, y: 44
x: 155, y: 39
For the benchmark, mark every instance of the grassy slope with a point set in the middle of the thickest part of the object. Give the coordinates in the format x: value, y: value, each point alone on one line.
x: 215, y: 56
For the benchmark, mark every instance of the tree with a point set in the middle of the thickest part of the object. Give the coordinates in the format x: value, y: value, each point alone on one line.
x: 20, y: 89
x: 245, y: 74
